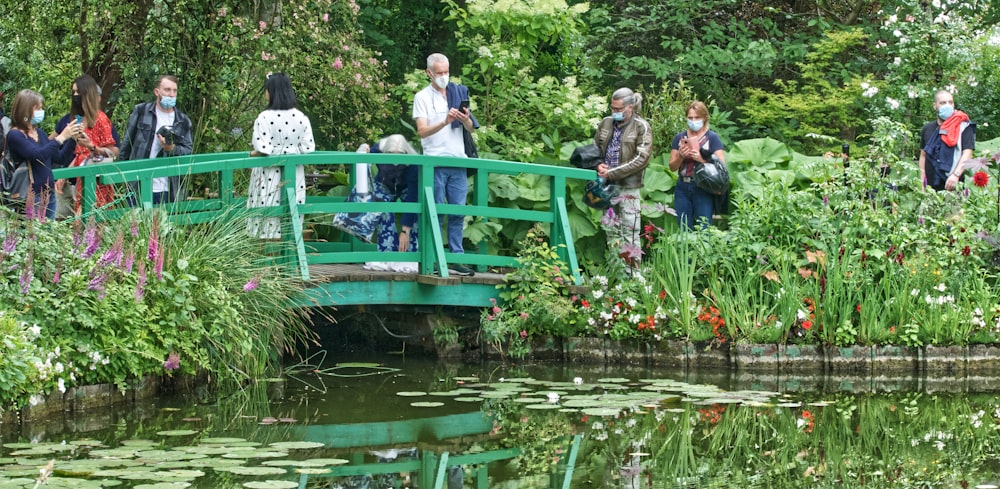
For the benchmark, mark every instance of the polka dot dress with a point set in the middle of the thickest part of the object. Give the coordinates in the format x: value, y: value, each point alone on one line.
x: 277, y: 132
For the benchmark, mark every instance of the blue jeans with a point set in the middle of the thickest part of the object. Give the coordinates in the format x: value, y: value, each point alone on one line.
x: 693, y: 205
x: 451, y: 186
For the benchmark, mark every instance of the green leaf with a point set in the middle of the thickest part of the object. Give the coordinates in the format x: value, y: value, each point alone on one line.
x: 759, y: 151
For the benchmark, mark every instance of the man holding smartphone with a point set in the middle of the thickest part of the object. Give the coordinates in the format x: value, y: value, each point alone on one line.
x: 441, y: 112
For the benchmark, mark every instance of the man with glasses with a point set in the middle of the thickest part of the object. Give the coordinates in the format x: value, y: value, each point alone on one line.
x: 626, y: 142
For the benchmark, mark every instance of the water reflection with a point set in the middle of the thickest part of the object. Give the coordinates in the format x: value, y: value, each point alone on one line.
x: 641, y: 427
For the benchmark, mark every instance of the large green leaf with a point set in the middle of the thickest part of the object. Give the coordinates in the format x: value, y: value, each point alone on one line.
x: 759, y: 151
x: 480, y: 229
x: 503, y: 187
x: 533, y: 187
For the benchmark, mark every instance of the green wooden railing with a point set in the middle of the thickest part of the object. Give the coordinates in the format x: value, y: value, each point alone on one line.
x: 223, y: 202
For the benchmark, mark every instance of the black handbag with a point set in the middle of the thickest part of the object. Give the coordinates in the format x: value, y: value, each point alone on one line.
x: 712, y: 176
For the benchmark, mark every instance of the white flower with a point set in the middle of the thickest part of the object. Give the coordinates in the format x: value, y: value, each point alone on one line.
x: 598, y: 294
x: 897, y: 61
x: 870, y: 92
x: 59, y: 367
x: 631, y: 302
x: 939, y: 444
x: 941, y: 287
x: 897, y: 33
x: 915, y: 292
x: 553, y: 397
x: 577, y: 380
x: 484, y: 52
x: 801, y: 315
x: 62, y: 385
x: 35, y: 330
x: 912, y: 93
x: 34, y: 400
x: 893, y: 103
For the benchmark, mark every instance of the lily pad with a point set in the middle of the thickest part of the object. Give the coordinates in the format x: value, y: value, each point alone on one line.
x: 296, y: 445
x: 253, y: 470
x: 411, y: 394
x: 271, y: 485
x: 427, y: 404
x: 176, y: 432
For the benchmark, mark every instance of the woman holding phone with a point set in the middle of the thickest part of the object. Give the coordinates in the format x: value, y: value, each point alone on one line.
x: 29, y: 144
x: 96, y: 144
x: 694, y: 206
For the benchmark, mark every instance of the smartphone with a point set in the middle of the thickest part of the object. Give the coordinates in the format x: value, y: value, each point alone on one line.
x: 464, y: 105
x: 79, y: 119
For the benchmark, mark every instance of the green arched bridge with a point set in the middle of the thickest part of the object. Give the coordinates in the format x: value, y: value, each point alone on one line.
x: 334, y: 270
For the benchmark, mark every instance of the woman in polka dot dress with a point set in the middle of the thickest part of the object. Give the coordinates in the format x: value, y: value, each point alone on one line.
x: 280, y: 130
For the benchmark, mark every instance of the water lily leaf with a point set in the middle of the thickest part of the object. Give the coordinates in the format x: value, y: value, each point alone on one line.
x: 358, y: 365
x: 177, y: 432
x: 253, y: 470
x: 545, y: 406
x: 296, y: 445
x: 312, y: 471
x: 255, y: 454
x: 427, y: 404
x: 163, y: 485
x: 411, y: 394
x: 601, y: 411
x: 271, y: 485
x: 215, y: 441
x: 469, y: 399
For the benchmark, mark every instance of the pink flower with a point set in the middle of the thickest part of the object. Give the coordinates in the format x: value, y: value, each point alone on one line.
x: 345, y: 47
x: 173, y: 361
x: 251, y: 285
x: 263, y: 25
x: 326, y: 17
x: 496, y: 310
x: 524, y: 315
x: 338, y: 64
x: 524, y: 334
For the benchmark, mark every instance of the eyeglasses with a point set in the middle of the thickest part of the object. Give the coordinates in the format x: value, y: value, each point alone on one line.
x: 618, y: 109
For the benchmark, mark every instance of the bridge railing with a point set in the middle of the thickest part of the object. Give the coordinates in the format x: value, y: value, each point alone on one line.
x: 223, y: 169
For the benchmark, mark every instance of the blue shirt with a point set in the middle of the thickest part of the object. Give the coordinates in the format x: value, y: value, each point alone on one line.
x: 39, y: 154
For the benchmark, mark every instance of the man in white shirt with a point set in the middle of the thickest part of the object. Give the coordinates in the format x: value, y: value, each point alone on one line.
x: 441, y: 113
x: 146, y: 137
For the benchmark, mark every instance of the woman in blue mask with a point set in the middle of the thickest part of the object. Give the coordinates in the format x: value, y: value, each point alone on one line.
x: 688, y: 149
x: 28, y: 144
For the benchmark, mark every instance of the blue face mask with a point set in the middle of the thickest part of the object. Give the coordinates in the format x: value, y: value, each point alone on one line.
x: 38, y: 117
x: 618, y: 116
x: 695, y: 124
x: 945, y: 111
x: 168, y: 102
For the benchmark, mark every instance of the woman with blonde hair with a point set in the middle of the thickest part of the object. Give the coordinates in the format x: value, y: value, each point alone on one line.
x: 28, y: 144
x: 690, y: 148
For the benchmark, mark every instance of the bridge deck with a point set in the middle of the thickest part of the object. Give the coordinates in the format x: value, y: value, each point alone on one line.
x: 352, y: 284
x: 350, y: 272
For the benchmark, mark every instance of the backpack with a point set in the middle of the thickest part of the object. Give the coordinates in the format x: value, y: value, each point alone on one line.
x: 14, y: 178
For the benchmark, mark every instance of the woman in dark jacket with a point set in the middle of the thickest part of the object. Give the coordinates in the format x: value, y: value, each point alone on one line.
x: 29, y: 144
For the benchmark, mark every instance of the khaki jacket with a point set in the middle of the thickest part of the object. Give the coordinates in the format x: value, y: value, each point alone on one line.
x: 637, y: 146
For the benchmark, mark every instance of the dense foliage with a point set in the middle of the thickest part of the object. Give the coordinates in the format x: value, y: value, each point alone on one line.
x: 113, y: 302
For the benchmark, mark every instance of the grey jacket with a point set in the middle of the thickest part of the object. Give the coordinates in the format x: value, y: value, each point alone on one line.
x: 637, y: 146
x: 139, y: 136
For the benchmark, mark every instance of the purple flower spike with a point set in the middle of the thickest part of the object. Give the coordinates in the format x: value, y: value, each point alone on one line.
x: 173, y: 361
x: 251, y: 285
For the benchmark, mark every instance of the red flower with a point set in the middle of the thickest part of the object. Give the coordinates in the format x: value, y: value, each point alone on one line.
x: 584, y: 303
x: 663, y: 294
x: 966, y: 251
x: 858, y: 308
x: 807, y: 325
x: 981, y: 179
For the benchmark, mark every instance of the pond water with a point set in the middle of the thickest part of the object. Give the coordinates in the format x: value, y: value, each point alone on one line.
x: 390, y: 421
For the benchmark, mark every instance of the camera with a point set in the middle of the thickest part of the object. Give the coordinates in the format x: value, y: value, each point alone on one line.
x: 168, y: 134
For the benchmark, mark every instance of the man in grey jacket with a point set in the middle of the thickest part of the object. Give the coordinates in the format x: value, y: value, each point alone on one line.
x: 626, y: 142
x: 158, y: 129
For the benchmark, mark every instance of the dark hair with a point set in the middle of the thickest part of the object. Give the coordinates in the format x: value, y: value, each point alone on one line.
x: 279, y: 90
x: 90, y: 99
x: 23, y: 108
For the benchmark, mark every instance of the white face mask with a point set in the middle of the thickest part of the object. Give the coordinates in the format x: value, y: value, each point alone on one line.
x: 441, y: 82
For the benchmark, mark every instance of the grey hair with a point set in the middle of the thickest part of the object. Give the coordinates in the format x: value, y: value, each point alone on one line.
x: 628, y: 97
x: 436, y: 58
x: 396, y: 143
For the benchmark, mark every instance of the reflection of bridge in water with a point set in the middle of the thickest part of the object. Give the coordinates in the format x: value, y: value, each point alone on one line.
x: 439, y: 443
x: 330, y: 266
